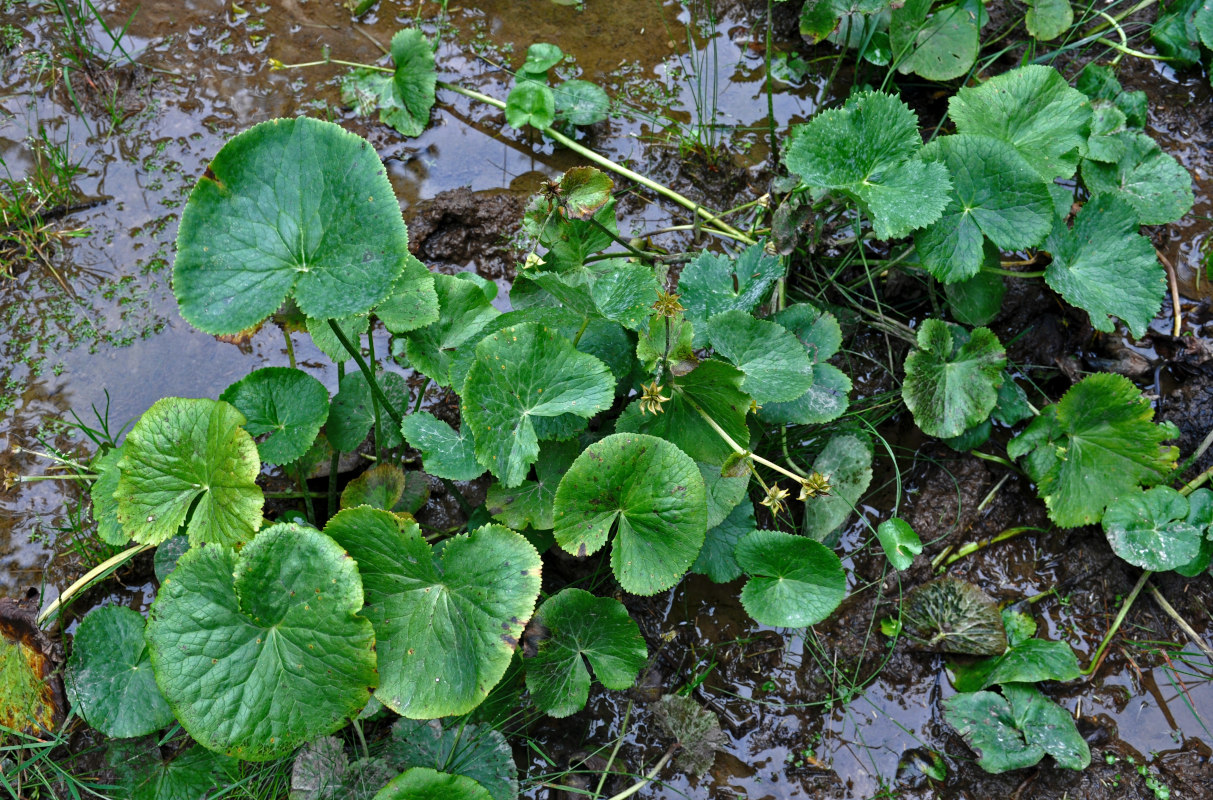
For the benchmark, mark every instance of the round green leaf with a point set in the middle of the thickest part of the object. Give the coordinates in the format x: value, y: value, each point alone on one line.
x: 522, y: 376
x: 530, y: 103
x: 445, y: 453
x: 1048, y: 19
x: 580, y: 627
x: 939, y: 46
x: 794, y: 581
x: 776, y: 366
x: 109, y: 676
x: 656, y: 495
x: 381, y: 487
x: 403, y: 98
x: 949, y: 389
x: 189, y: 458
x: 581, y: 102
x: 826, y: 400
x: 262, y: 651
x: 899, y: 541
x: 422, y: 783
x: 1105, y: 267
x: 977, y: 300
x: 446, y: 628
x: 540, y: 57
x: 286, y: 405
x: 1150, y: 529
x: 995, y: 193
x: 1034, y: 110
x: 295, y: 207
x: 474, y: 751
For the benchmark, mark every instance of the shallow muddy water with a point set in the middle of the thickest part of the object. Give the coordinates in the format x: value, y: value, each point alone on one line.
x: 829, y: 713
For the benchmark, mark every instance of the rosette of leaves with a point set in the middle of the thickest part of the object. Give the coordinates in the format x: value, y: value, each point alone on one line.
x: 109, y: 676
x: 828, y: 396
x: 189, y: 462
x: 260, y: 651
x: 446, y: 626
x: 649, y: 494
x: 286, y: 406
x: 952, y: 378
x: 868, y: 151
x: 325, y: 231
x: 1097, y: 443
x: 574, y: 629
x: 403, y: 96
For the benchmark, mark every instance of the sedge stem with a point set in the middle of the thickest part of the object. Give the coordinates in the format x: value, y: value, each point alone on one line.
x: 1120, y: 617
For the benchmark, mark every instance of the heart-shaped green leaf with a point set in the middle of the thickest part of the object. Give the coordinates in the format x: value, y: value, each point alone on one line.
x: 1105, y: 267
x: 445, y: 453
x: 530, y: 103
x: 650, y: 494
x: 262, y: 651
x: 1016, y: 731
x: 109, y: 676
x: 950, y: 388
x: 1153, y: 529
x: 285, y: 405
x: 776, y: 366
x: 579, y: 627
x: 995, y: 193
x: 474, y: 751
x: 899, y: 541
x: 794, y: 581
x: 713, y: 386
x: 1098, y: 443
x: 523, y: 375
x: 325, y: 229
x: 403, y: 98
x: 189, y: 459
x: 1048, y: 19
x: 423, y: 783
x: 1032, y: 109
x: 1157, y: 186
x: 868, y: 151
x: 446, y: 627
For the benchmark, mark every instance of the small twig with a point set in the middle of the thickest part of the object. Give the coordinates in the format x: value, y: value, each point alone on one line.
x: 1173, y: 279
x: 643, y: 782
x: 1181, y: 622
x: 944, y: 560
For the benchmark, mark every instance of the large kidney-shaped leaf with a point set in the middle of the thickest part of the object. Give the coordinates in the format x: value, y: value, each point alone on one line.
x: 474, y: 751
x: 948, y: 388
x: 794, y: 581
x: 285, y: 405
x: 1153, y: 529
x: 109, y: 676
x: 259, y: 652
x: 295, y: 207
x: 445, y: 627
x: 995, y: 193
x: 189, y: 458
x: 1105, y: 267
x: 579, y: 627
x: 522, y: 376
x: 1154, y: 183
x: 776, y: 366
x: 1032, y: 109
x: 1017, y: 730
x: 403, y: 98
x: 1096, y: 444
x: 646, y: 490
x: 423, y: 783
x: 868, y: 151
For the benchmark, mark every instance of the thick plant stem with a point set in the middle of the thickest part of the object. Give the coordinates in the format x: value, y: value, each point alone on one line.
x: 376, y: 392
x: 100, y: 571
x: 707, y: 215
x: 1120, y: 617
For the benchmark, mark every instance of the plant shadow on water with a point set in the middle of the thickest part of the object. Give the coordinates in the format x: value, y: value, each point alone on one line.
x: 830, y: 712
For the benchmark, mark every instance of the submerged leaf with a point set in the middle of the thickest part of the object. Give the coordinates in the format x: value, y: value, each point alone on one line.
x: 953, y: 616
x: 323, y: 228
x: 579, y: 628
x: 1098, y: 443
x: 31, y: 691
x: 189, y: 460
x: 950, y: 388
x: 109, y: 675
x: 646, y: 491
x: 446, y: 626
x: 696, y: 730
x: 380, y: 487
x: 259, y: 652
